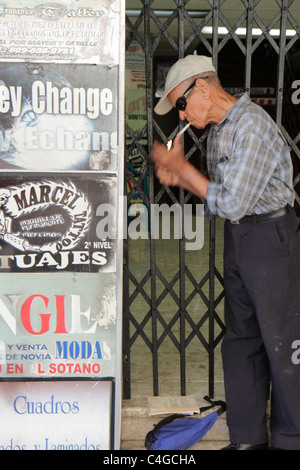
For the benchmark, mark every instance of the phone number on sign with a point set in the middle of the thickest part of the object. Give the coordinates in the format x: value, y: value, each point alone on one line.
x: 37, y: 50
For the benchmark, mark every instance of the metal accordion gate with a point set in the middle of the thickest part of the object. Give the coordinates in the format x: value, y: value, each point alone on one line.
x: 259, y: 45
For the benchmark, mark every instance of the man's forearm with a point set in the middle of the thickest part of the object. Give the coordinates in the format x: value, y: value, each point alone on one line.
x: 194, y: 181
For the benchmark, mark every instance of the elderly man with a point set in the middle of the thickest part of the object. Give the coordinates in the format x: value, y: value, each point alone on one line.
x: 249, y: 185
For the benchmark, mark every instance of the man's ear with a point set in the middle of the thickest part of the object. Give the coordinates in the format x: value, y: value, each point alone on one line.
x: 202, y: 87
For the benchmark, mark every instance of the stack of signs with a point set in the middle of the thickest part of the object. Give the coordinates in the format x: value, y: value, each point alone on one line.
x: 61, y: 163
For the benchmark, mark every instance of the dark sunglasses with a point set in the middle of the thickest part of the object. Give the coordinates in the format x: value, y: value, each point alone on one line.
x: 180, y: 104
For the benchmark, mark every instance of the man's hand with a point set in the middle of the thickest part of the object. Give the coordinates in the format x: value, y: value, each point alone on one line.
x: 172, y: 169
x: 169, y: 164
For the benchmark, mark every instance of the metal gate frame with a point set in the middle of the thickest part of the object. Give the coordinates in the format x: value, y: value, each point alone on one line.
x: 279, y: 51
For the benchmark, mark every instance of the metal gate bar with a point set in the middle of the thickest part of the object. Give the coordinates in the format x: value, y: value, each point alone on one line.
x: 180, y: 46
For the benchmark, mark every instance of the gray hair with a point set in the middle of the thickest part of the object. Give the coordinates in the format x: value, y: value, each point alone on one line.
x: 211, y: 77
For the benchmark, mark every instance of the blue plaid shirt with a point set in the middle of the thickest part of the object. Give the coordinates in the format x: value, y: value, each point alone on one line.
x: 249, y: 164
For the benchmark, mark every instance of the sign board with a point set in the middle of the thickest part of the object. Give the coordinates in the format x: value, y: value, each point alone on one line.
x: 61, y: 222
x: 71, y: 415
x: 62, y: 325
x: 75, y: 31
x: 66, y: 223
x: 59, y: 117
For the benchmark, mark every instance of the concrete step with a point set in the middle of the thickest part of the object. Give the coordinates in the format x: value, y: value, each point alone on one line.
x: 136, y: 424
x: 202, y: 445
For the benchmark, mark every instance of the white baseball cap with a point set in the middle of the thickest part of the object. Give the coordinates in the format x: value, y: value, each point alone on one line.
x: 187, y: 67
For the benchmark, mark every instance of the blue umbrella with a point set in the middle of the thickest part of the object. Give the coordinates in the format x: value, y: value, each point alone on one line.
x: 178, y: 432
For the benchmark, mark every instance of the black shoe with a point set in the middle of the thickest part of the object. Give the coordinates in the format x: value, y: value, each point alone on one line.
x: 246, y: 446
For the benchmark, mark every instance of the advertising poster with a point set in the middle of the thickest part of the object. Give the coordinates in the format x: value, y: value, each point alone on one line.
x: 81, y: 31
x: 58, y: 224
x: 136, y: 119
x: 58, y: 326
x: 55, y: 416
x: 57, y: 117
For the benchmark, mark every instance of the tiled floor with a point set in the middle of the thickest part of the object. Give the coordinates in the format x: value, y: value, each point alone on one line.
x: 167, y: 259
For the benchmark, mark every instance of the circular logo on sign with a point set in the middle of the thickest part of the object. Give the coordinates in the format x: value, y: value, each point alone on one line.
x: 49, y: 216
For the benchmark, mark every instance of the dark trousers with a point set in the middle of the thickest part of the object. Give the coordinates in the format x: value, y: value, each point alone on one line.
x: 262, y: 316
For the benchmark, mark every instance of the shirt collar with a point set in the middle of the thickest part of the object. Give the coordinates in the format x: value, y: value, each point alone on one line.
x: 237, y: 110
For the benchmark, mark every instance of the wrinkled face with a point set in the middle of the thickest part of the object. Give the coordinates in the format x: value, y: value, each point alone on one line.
x: 197, y: 104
